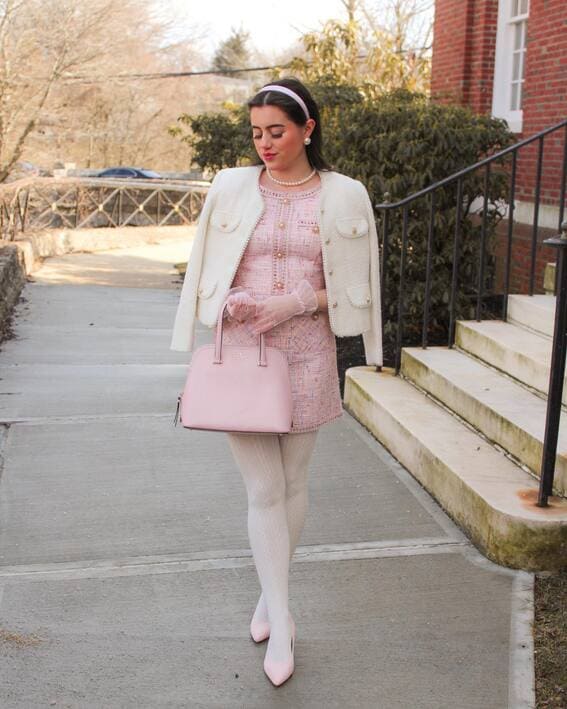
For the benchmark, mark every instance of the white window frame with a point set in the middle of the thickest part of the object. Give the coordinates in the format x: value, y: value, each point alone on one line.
x: 503, y: 64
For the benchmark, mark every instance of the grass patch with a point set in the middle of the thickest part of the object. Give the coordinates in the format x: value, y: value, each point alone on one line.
x: 550, y: 640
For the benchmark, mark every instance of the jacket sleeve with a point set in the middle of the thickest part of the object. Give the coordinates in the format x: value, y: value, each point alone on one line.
x: 372, y: 338
x: 182, y: 339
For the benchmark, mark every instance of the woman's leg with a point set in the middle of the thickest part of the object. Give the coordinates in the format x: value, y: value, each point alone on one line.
x: 260, y: 462
x: 296, y: 451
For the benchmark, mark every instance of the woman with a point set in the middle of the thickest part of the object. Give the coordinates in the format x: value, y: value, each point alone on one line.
x: 292, y: 246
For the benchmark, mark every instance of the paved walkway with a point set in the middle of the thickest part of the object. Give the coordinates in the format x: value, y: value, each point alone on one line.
x: 126, y: 578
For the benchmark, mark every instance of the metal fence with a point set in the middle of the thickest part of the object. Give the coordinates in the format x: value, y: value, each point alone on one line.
x: 40, y: 203
x: 387, y: 211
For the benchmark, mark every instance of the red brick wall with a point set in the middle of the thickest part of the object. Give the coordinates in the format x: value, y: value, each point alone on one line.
x: 520, y: 263
x: 462, y: 72
x: 545, y: 97
x: 464, y: 41
x: 448, y: 71
x: 464, y: 44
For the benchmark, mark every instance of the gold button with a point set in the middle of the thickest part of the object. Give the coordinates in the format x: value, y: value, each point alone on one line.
x: 279, y: 285
x: 281, y: 225
x: 316, y: 229
x: 286, y: 201
x: 335, y: 304
x: 279, y: 254
x: 315, y: 316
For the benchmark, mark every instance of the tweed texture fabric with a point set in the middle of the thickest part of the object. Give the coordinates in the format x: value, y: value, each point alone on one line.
x: 284, y: 248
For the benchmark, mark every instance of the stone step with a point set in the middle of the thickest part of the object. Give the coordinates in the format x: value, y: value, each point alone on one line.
x: 534, y: 312
x: 549, y: 278
x: 479, y: 486
x: 520, y: 353
x: 504, y: 411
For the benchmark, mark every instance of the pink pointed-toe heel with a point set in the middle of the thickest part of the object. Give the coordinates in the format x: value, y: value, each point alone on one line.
x: 259, y: 630
x: 279, y: 672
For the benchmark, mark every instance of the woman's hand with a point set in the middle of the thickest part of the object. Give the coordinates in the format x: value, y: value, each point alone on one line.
x: 277, y: 308
x: 240, y: 305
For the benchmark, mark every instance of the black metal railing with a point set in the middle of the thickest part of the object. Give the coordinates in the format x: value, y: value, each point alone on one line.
x: 386, y: 211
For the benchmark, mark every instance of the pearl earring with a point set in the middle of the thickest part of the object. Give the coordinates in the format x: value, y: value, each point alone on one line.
x: 307, y: 141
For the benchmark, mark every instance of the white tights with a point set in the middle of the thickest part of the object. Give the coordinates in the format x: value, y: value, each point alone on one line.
x: 275, y: 472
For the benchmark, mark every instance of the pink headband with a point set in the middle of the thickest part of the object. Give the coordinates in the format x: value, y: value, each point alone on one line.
x: 289, y: 92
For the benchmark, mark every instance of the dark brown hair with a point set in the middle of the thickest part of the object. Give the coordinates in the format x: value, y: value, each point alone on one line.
x: 295, y: 113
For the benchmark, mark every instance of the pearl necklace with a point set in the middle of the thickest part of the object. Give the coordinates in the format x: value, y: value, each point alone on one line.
x: 292, y: 182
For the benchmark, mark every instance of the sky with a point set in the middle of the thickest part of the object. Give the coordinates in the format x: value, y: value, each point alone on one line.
x: 273, y: 25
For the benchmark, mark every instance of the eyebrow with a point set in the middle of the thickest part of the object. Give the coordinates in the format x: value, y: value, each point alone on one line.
x: 273, y: 125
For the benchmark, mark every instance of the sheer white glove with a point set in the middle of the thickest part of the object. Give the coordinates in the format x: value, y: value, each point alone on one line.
x: 275, y: 309
x: 240, y: 305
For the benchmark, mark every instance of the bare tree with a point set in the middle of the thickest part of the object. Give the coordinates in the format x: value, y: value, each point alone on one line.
x: 40, y: 40
x: 408, y: 23
x: 402, y: 29
x: 68, y: 86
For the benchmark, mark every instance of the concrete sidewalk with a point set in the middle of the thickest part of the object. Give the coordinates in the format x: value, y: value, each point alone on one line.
x: 126, y: 578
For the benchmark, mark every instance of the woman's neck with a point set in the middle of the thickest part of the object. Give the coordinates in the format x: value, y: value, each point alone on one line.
x: 289, y: 176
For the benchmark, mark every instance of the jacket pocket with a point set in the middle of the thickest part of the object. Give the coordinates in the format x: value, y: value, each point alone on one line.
x: 207, y: 287
x: 359, y: 295
x: 225, y: 221
x: 352, y: 227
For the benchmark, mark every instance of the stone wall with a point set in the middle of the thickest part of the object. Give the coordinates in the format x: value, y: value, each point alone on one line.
x: 12, y: 279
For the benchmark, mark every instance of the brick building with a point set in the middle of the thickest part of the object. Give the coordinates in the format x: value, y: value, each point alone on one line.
x: 508, y: 58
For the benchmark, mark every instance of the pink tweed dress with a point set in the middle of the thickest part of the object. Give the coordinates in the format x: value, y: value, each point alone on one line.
x: 285, y: 248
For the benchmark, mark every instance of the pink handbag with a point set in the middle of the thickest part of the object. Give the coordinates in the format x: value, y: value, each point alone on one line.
x: 236, y: 388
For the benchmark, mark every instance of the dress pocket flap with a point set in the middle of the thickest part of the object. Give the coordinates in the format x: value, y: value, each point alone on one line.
x: 225, y: 221
x: 360, y: 295
x: 352, y: 226
x: 206, y: 288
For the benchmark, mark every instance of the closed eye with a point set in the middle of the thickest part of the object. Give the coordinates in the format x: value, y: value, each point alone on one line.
x: 279, y: 135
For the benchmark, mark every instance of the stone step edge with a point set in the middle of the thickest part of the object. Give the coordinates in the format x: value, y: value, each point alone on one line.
x: 469, y: 339
x: 527, y: 537
x: 417, y: 371
x: 523, y: 308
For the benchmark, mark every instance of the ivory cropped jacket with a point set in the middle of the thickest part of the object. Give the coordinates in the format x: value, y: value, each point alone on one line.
x: 349, y: 245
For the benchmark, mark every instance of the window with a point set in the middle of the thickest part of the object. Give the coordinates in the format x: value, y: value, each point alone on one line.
x: 510, y: 61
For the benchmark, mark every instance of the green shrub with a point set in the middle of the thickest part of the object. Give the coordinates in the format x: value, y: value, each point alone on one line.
x: 397, y: 146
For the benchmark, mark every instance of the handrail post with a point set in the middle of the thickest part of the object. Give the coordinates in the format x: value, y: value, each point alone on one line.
x: 557, y: 371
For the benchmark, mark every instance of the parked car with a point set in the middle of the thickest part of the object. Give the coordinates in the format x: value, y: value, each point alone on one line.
x: 129, y: 172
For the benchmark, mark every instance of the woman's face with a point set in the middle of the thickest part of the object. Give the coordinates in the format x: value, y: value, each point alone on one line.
x: 277, y: 139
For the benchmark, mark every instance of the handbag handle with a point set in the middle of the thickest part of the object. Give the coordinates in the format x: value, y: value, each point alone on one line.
x: 262, y: 362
